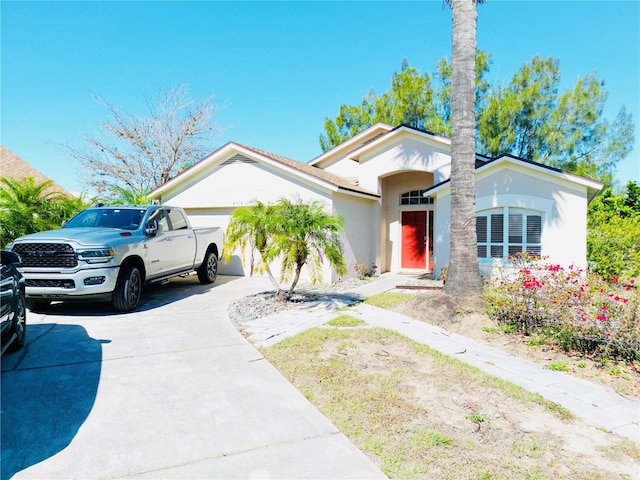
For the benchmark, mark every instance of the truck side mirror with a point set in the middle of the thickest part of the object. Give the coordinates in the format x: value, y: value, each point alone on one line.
x: 152, y: 228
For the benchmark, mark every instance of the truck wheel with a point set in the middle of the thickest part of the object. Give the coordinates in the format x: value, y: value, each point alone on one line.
x: 19, y: 326
x: 126, y: 296
x: 208, y: 271
x: 37, y: 306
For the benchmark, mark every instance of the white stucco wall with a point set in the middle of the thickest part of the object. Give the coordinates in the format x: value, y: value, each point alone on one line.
x: 404, y: 154
x: 211, y: 198
x: 241, y: 183
x: 441, y: 231
x: 359, y: 238
x: 563, y: 206
x: 345, y: 167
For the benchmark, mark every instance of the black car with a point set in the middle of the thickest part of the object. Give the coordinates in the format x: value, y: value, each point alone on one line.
x: 12, y: 304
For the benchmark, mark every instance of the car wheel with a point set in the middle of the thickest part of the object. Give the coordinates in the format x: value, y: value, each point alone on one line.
x: 126, y: 296
x: 19, y: 328
x: 208, y: 271
x: 37, y: 306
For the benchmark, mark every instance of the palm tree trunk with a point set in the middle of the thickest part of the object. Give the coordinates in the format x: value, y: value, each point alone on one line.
x: 296, y: 279
x: 275, y: 282
x: 267, y: 269
x: 463, y: 279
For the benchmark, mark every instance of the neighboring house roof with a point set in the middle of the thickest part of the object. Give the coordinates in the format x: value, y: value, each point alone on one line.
x: 14, y: 168
x: 593, y: 186
x: 301, y: 169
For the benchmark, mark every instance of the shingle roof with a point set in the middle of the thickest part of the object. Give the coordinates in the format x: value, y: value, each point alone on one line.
x: 593, y: 186
x: 13, y: 167
x: 332, y: 178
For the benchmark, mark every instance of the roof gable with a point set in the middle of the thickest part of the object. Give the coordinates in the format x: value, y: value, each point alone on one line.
x: 592, y: 186
x: 233, y: 151
x: 381, y: 134
x: 340, y: 151
x: 441, y: 142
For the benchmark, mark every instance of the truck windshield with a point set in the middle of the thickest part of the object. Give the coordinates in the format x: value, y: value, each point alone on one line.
x: 124, y: 218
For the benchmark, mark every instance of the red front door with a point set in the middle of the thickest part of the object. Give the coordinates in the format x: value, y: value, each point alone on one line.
x: 414, y: 233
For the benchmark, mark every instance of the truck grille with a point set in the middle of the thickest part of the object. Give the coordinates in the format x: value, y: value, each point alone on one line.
x: 47, y: 255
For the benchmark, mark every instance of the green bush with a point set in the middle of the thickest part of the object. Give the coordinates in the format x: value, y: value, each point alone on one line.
x: 27, y: 206
x: 574, y: 310
x: 613, y: 245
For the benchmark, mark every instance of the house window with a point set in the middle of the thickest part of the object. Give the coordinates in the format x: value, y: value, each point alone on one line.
x: 415, y: 197
x: 507, y: 231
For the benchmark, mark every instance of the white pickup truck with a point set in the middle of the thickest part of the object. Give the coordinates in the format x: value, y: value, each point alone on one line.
x: 109, y: 253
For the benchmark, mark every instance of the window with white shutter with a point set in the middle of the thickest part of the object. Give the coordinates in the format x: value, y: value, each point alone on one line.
x: 507, y: 231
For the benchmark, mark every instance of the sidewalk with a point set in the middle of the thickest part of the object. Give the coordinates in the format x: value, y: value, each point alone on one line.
x: 584, y: 399
x: 170, y: 391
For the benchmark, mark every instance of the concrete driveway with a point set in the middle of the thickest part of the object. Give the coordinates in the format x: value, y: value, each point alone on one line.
x: 169, y: 391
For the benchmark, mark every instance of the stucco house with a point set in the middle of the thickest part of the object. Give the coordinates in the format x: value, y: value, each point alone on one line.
x: 391, y: 185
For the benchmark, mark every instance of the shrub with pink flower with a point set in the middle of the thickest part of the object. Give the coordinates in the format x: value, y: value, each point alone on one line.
x: 578, y: 311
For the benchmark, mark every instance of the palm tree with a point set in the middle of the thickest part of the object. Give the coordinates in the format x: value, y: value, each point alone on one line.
x: 306, y: 235
x: 463, y: 277
x: 250, y: 229
x: 296, y: 232
x: 27, y: 207
x: 129, y: 196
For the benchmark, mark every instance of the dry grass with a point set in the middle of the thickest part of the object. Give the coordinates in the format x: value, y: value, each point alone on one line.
x: 437, y: 308
x: 420, y: 414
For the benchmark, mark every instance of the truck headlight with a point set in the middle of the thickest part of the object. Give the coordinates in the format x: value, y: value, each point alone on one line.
x: 96, y: 255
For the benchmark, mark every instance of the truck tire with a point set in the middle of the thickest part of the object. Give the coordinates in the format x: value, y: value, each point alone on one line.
x: 37, y: 306
x: 126, y: 296
x: 208, y: 271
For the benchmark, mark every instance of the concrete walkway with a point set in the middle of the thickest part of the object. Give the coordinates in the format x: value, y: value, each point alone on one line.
x: 170, y: 391
x: 595, y: 404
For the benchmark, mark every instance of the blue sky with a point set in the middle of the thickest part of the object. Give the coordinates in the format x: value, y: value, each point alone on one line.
x: 280, y: 68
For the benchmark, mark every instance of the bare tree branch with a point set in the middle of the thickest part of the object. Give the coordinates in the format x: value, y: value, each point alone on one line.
x: 140, y: 152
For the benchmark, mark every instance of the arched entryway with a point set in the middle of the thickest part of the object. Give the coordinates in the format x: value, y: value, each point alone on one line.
x: 407, y: 220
